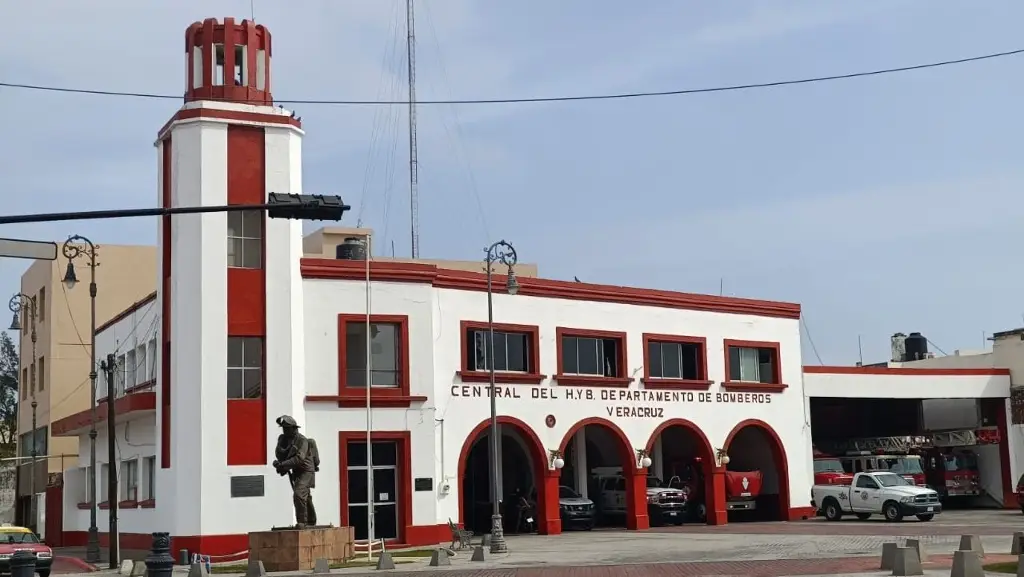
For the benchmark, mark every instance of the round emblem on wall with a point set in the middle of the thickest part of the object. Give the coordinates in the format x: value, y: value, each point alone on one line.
x: 550, y: 421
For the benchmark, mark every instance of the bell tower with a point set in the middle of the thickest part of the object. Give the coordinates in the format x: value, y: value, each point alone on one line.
x: 230, y: 293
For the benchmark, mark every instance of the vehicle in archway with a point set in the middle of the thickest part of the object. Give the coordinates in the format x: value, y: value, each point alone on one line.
x: 830, y: 471
x: 909, y: 466
x: 875, y: 493
x: 575, y: 510
x: 742, y: 489
x: 952, y: 472
x: 665, y: 505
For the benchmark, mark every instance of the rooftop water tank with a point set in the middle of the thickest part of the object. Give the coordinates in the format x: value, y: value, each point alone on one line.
x: 916, y: 347
x: 352, y: 248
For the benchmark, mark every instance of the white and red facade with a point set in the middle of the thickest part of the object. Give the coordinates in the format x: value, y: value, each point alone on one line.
x: 229, y: 145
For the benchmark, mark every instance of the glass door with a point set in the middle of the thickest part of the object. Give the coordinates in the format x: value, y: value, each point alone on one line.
x: 385, y: 489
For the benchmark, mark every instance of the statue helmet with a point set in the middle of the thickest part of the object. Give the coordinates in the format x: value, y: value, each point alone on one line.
x: 286, y: 421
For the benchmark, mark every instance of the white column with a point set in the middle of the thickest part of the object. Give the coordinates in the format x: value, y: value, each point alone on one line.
x: 579, y: 449
x: 659, y: 461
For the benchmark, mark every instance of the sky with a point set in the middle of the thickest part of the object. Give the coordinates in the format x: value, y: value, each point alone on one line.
x: 880, y: 204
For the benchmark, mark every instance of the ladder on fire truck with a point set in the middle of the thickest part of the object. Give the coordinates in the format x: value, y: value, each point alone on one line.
x: 906, y: 443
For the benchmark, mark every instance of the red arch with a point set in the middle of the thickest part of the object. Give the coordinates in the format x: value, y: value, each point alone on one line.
x: 537, y: 453
x: 707, y: 452
x: 636, y: 492
x: 778, y: 456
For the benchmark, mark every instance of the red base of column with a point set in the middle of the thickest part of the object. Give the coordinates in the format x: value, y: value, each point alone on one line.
x: 715, y: 488
x: 549, y: 520
x: 636, y: 504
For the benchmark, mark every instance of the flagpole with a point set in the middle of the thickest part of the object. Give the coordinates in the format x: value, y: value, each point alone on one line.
x: 369, y: 418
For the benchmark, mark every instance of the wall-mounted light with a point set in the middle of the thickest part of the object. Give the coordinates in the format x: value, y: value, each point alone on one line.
x: 721, y: 458
x: 556, y: 459
x: 643, y: 459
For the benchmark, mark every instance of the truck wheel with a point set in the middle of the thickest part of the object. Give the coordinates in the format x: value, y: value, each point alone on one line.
x: 925, y: 518
x: 863, y: 516
x: 892, y: 512
x: 833, y: 512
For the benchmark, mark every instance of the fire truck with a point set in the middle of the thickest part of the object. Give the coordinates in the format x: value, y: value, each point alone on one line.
x: 941, y: 460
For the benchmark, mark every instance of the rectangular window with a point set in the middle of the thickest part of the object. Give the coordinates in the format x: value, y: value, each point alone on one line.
x: 32, y: 380
x: 591, y: 356
x: 119, y: 376
x: 42, y: 304
x: 675, y: 358
x: 130, y: 366
x: 149, y: 478
x: 240, y: 66
x: 245, y: 239
x: 42, y: 374
x: 245, y: 367
x: 511, y: 351
x: 141, y: 370
x: 103, y: 480
x: 751, y: 364
x: 152, y: 360
x: 218, y: 65
x: 385, y: 354
x: 86, y: 494
x: 261, y: 70
x: 197, y: 67
x: 129, y: 480
x: 24, y: 383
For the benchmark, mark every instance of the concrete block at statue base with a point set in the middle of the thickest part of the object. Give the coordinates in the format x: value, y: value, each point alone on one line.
x: 916, y: 545
x: 966, y: 564
x: 478, y: 554
x: 138, y: 569
x: 971, y: 543
x: 198, y: 570
x: 321, y: 567
x: 385, y: 561
x: 439, y: 558
x: 888, y: 555
x: 485, y: 540
x: 255, y: 569
x: 126, y: 567
x: 906, y: 562
x: 1017, y: 548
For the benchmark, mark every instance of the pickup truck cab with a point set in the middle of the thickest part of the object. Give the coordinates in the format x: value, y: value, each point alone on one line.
x: 875, y: 493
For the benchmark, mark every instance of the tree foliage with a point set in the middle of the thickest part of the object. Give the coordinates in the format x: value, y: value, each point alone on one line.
x: 8, y: 393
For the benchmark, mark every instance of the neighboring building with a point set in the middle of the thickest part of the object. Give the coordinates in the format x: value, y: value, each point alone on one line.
x: 58, y: 376
x: 594, y: 382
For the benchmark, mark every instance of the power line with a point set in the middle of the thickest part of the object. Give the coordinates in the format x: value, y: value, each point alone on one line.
x: 614, y: 96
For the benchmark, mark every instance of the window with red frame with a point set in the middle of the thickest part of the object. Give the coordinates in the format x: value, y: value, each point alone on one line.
x: 754, y: 365
x: 385, y: 344
x: 245, y: 367
x: 511, y: 351
x: 591, y: 356
x: 674, y: 360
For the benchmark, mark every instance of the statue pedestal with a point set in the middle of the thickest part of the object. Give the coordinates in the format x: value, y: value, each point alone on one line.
x: 290, y: 549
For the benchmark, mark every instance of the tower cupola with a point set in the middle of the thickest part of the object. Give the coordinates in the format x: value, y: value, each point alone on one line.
x: 228, y: 62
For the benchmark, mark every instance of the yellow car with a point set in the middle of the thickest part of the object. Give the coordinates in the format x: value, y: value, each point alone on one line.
x: 14, y: 539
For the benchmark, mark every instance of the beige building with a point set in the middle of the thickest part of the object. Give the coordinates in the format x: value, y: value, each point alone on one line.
x: 56, y: 372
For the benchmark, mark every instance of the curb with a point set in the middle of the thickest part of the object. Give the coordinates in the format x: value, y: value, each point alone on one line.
x: 80, y: 563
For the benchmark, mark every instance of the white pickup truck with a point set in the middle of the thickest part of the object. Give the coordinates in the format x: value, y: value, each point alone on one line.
x: 876, y: 493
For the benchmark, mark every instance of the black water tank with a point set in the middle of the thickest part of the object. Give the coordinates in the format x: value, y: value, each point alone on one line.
x: 916, y: 347
x: 351, y: 249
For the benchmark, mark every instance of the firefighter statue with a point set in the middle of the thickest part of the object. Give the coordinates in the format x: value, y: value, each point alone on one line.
x: 297, y: 456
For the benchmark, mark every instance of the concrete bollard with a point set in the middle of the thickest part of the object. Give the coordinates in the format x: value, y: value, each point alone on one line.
x: 255, y: 568
x: 1020, y: 565
x: 321, y: 567
x: 478, y: 554
x: 906, y: 562
x: 138, y: 569
x: 385, y: 561
x: 23, y: 564
x: 966, y: 564
x: 916, y: 545
x: 1016, y: 547
x: 439, y: 558
x: 485, y: 540
x: 888, y: 555
x: 126, y: 567
x: 971, y: 543
x: 198, y: 569
x: 183, y: 557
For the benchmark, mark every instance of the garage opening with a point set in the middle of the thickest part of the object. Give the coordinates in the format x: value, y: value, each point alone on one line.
x: 757, y: 488
x: 593, y: 489
x: 519, y: 482
x: 950, y: 445
x: 680, y: 483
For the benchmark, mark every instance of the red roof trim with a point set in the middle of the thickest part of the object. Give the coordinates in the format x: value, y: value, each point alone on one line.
x: 906, y: 371
x: 131, y: 403
x: 389, y: 271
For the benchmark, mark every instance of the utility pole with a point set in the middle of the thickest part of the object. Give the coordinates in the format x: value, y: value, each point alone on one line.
x: 108, y: 367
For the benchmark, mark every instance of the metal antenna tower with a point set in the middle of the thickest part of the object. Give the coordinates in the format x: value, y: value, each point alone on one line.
x: 414, y: 201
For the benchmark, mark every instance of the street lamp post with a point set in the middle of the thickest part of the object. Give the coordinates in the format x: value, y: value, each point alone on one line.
x: 499, y: 252
x: 71, y: 250
x: 22, y: 302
